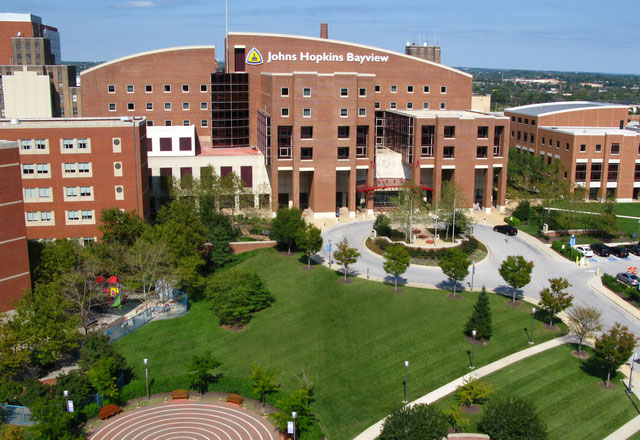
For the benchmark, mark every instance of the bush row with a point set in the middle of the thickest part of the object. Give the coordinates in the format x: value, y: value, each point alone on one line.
x: 620, y: 288
x: 468, y: 247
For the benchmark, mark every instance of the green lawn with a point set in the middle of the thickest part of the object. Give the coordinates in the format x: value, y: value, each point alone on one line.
x: 351, y: 339
x: 568, y: 398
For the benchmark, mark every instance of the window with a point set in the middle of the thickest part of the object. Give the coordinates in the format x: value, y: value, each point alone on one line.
x: 204, y: 106
x: 167, y: 88
x: 426, y: 143
x: 344, y: 92
x: 185, y: 88
x: 165, y: 144
x: 185, y: 144
x: 567, y: 146
x: 481, y: 152
x: 306, y: 153
x: 344, y: 112
x: 448, y: 152
x: 129, y: 88
x: 149, y: 105
x: 28, y: 169
x: 615, y: 148
x: 519, y: 120
x: 69, y: 168
x: 409, y: 105
x: 638, y: 148
x: 343, y: 132
x: 557, y: 145
x: 426, y: 89
x: 71, y: 191
x: 44, y: 193
x: 306, y: 112
x: 204, y: 123
x: 284, y: 91
x: 393, y: 104
x: 598, y: 148
x: 394, y: 89
x: 443, y: 106
x: 306, y: 92
x: 513, y: 119
x: 186, y: 106
x: 343, y: 153
x: 362, y: 111
x: 543, y: 141
x: 532, y: 139
x: 284, y: 141
x: 42, y: 168
x: 526, y: 120
x: 581, y: 172
x: 513, y: 134
x: 167, y: 106
x: 111, y: 88
x: 377, y: 105
x: 612, y: 175
x: 148, y: 88
x: 73, y: 215
x: 167, y: 123
x: 203, y: 88
x: 443, y: 89
x: 362, y: 139
x: 483, y: 132
x: 45, y: 216
x: 550, y: 142
x: 41, y: 144
x: 87, y: 214
x: 596, y: 172
x: 533, y: 122
x: 377, y: 88
x: 25, y: 144
x: 449, y: 131
x: 112, y: 106
x: 84, y: 167
x: 186, y: 122
x: 636, y: 173
x: 131, y: 106
x: 29, y: 193
x: 362, y: 92
x: 284, y: 112
x: 85, y: 191
x: 525, y: 136
x: 306, y: 132
x: 583, y: 148
x: 32, y: 216
x: 409, y: 89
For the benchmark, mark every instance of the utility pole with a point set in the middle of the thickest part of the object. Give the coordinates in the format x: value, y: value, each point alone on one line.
x: 453, y: 231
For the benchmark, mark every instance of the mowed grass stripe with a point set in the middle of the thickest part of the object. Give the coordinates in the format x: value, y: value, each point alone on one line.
x: 351, y: 339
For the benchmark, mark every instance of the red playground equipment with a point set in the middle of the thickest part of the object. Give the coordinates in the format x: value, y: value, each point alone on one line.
x: 116, y: 297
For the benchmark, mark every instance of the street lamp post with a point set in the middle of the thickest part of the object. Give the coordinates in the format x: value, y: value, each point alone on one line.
x: 406, y: 369
x: 633, y: 362
x: 330, y: 249
x: 146, y: 375
x: 533, y: 313
x: 293, y: 415
x: 473, y: 271
x: 473, y: 347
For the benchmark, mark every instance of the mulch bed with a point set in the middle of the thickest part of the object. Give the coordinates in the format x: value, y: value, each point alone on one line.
x: 584, y: 355
x: 347, y: 281
x: 604, y: 386
x: 307, y: 268
x: 456, y: 296
x: 476, y: 341
x: 234, y: 328
x: 553, y: 328
x: 472, y: 409
x: 393, y: 290
x: 515, y: 303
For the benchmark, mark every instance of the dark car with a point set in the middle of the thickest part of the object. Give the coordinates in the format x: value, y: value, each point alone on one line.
x: 601, y: 250
x: 633, y: 249
x: 628, y: 278
x: 620, y: 251
x: 506, y: 229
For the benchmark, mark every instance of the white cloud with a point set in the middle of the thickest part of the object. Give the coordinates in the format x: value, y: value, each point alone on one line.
x: 137, y: 4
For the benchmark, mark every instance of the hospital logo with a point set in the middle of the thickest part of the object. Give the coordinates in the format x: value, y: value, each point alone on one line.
x: 254, y: 57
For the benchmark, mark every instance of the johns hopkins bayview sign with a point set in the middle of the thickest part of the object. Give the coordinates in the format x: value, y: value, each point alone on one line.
x: 254, y: 57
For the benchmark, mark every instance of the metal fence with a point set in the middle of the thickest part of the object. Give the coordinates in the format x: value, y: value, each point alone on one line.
x: 179, y: 306
x: 16, y: 415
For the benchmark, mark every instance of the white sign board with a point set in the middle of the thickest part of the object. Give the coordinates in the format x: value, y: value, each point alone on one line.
x: 289, y: 427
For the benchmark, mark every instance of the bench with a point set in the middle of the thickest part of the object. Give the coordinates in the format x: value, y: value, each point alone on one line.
x: 108, y: 411
x: 235, y: 398
x: 179, y: 395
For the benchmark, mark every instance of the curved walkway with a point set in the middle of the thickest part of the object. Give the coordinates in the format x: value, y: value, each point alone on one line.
x: 194, y: 421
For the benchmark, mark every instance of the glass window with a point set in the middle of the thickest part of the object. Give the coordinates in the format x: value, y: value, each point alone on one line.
x: 203, y: 87
x: 167, y: 106
x: 284, y: 112
x: 204, y: 106
x: 443, y: 89
x: 84, y: 167
x: 615, y: 148
x: 71, y: 191
x: 112, y: 106
x: 185, y: 88
x: 129, y: 88
x: 448, y: 152
x: 425, y: 106
x: 409, y: 89
x: 362, y: 111
x: 306, y: 92
x: 344, y: 92
x: 148, y: 88
x: 343, y: 132
x: 449, y: 131
x: 377, y: 88
x: 131, y: 106
x: 443, y: 106
x: 306, y: 112
x: 167, y: 88
x: 394, y: 89
x: 69, y: 168
x: 85, y: 191
x: 28, y: 169
x: 149, y: 105
x: 32, y: 216
x: 185, y: 106
x: 362, y: 91
x: 45, y: 216
x: 344, y: 112
x: 44, y: 192
x: 25, y: 144
x: 426, y: 89
x: 204, y: 123
x: 29, y: 193
x: 306, y: 132
x: 43, y: 168
x: 393, y: 105
x: 284, y: 91
x: 111, y: 88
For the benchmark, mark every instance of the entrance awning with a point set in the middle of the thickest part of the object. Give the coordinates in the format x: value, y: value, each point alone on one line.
x: 387, y: 182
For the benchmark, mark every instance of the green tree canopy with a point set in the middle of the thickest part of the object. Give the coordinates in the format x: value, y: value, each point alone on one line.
x: 419, y: 422
x: 263, y: 381
x: 285, y: 226
x: 583, y: 323
x: 614, y: 348
x: 511, y: 418
x: 296, y: 402
x: 201, y: 368
x: 480, y: 319
x: 57, y: 257
x: 455, y: 265
x: 516, y: 272
x: 554, y: 299
x: 309, y: 240
x: 345, y: 255
x: 123, y: 227
x: 410, y: 208
x: 396, y: 262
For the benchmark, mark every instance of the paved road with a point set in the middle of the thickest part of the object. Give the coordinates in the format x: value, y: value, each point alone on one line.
x: 500, y: 246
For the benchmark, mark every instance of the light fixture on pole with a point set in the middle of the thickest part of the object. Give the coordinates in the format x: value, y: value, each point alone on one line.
x: 146, y: 375
x: 293, y: 415
x: 533, y: 313
x: 473, y: 347
x: 473, y: 271
x: 633, y: 363
x: 406, y: 369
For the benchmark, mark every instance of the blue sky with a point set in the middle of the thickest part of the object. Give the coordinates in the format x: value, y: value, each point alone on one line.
x: 589, y: 35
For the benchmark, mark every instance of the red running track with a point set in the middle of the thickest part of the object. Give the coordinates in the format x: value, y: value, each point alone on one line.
x: 187, y: 421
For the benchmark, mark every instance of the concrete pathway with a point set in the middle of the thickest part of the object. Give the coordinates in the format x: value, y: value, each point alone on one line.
x: 625, y: 431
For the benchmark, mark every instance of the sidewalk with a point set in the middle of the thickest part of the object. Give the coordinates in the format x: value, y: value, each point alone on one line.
x: 596, y: 284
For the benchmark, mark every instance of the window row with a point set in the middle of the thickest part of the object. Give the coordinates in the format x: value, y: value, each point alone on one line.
x: 362, y: 111
x: 306, y: 153
x: 526, y: 120
x: 597, y: 171
x: 167, y: 106
x: 33, y: 169
x: 448, y: 152
x: 70, y: 169
x: 80, y: 215
x: 362, y: 91
x: 185, y: 122
x: 166, y: 88
x: 38, y: 216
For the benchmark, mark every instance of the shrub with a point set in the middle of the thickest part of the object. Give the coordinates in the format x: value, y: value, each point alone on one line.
x: 523, y: 211
x: 420, y: 422
x: 620, y: 288
x: 510, y: 418
x: 90, y: 411
x: 473, y: 391
x: 382, y: 226
x: 511, y: 220
x: 397, y: 235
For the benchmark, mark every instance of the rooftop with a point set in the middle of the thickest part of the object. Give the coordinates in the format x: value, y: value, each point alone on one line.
x: 229, y: 151
x: 18, y: 124
x: 592, y: 131
x: 546, y: 108
x: 457, y: 114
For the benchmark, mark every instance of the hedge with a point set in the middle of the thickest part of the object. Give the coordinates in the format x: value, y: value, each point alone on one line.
x: 468, y: 247
x: 620, y: 288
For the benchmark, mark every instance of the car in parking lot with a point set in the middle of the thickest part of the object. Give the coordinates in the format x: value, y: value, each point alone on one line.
x: 506, y: 229
x: 584, y: 249
x: 601, y: 250
x: 633, y: 249
x: 620, y: 251
x: 628, y: 278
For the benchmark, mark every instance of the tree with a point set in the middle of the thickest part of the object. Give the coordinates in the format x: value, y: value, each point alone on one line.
x: 14, y: 352
x: 409, y: 207
x: 52, y: 422
x: 583, y: 323
x: 77, y: 385
x: 510, y: 418
x: 57, y: 257
x: 455, y: 417
x: 613, y: 348
x: 307, y: 386
x: 123, y: 227
x: 480, y: 319
x: 419, y: 422
x: 554, y: 299
x: 345, y: 255
x: 221, y: 233
x: 97, y: 346
x: 263, y: 381
x: 285, y: 226
x: 455, y: 265
x: 202, y: 371
x: 396, y: 262
x: 101, y: 377
x: 516, y: 272
x: 148, y: 262
x: 294, y: 402
x: 473, y: 391
x: 451, y: 209
x: 309, y: 240
x: 382, y: 226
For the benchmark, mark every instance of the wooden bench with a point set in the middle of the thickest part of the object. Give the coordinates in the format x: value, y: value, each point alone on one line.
x: 108, y: 411
x: 180, y: 395
x: 235, y: 398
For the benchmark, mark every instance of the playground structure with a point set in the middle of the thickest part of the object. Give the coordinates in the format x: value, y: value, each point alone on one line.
x: 111, y: 287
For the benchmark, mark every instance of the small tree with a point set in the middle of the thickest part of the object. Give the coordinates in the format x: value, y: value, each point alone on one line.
x: 294, y: 402
x: 202, y: 371
x: 516, y: 272
x: 101, y: 378
x: 480, y: 319
x: 419, y: 422
x: 263, y: 381
x: 285, y: 226
x: 613, y: 348
x: 309, y: 240
x: 455, y: 265
x: 455, y: 417
x: 583, y: 323
x: 473, y: 391
x: 382, y: 225
x: 307, y: 386
x: 149, y: 262
x: 345, y: 255
x: 512, y: 418
x: 554, y: 299
x: 397, y: 260
x: 410, y: 208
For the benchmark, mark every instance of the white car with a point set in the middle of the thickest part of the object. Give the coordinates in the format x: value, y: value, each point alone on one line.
x: 585, y: 250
